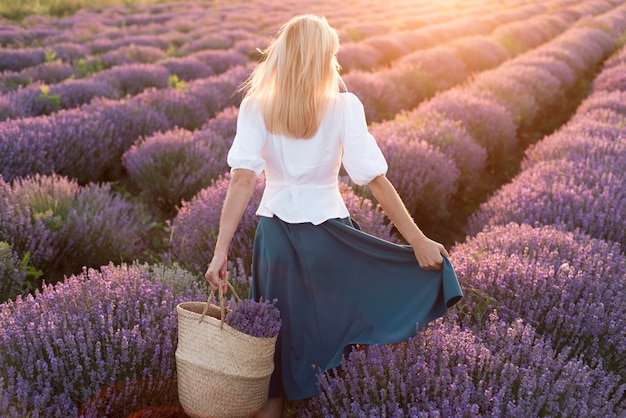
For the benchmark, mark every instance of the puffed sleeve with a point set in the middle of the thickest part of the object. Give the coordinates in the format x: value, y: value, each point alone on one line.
x: 362, y: 158
x: 245, y: 152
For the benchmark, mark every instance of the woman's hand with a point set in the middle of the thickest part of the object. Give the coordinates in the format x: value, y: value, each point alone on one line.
x: 217, y: 272
x: 429, y: 254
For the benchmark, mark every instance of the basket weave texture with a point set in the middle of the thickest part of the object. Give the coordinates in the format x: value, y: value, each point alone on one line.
x: 222, y: 372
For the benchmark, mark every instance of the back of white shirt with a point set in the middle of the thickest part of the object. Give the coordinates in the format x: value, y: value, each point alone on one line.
x: 302, y: 174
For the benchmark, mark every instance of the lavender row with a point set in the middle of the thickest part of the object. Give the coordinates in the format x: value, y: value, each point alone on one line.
x: 61, y: 90
x: 573, y: 178
x: 505, y: 24
x: 420, y: 75
x: 194, y: 229
x: 99, y: 344
x: 183, y: 29
x: 456, y: 136
x: 189, y: 20
x: 87, y: 143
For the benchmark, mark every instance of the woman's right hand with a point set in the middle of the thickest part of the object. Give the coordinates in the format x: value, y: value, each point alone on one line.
x: 217, y: 272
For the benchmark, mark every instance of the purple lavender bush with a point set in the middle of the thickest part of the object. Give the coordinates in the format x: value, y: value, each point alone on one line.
x: 611, y: 79
x: 480, y: 52
x: 370, y: 217
x: 506, y: 369
x: 544, y: 87
x: 425, y: 178
x: 598, y: 123
x: 49, y: 72
x: 389, y: 48
x: 99, y: 344
x: 19, y: 59
x: 507, y: 93
x: 84, y: 143
x: 558, y: 68
x: 224, y: 123
x: 369, y: 88
x: 358, y: 56
x: 614, y: 100
x: 568, y: 285
x: 175, y: 165
x: 40, y: 99
x: 195, y: 227
x: 188, y: 68
x: 217, y: 92
x: 26, y: 231
x: 179, y: 106
x: 447, y: 136
x: 86, y: 225
x: 488, y: 122
x: 132, y: 54
x: 132, y: 79
x: 220, y: 61
x: 256, y: 318
x: 593, y: 151
x: 13, y: 280
x: 568, y: 194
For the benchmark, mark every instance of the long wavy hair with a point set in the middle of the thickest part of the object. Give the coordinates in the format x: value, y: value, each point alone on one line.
x: 297, y: 77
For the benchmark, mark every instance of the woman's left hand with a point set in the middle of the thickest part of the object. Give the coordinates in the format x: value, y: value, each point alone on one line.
x: 429, y: 254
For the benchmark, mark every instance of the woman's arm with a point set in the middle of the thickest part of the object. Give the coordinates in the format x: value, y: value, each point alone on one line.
x: 238, y: 195
x: 427, y: 252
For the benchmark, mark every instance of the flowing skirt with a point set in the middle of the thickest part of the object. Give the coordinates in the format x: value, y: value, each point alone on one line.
x: 337, y: 286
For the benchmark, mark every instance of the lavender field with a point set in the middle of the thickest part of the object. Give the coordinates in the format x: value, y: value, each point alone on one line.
x: 504, y: 125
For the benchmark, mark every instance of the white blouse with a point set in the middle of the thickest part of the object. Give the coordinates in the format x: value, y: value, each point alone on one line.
x: 302, y: 174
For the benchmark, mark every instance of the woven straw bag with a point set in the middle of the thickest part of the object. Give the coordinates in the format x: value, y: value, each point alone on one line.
x: 222, y: 372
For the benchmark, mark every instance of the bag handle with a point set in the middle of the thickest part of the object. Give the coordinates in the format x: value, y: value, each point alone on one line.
x: 222, y: 302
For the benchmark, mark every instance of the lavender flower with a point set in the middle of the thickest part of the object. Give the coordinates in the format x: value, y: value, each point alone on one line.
x: 558, y: 68
x: 256, y: 318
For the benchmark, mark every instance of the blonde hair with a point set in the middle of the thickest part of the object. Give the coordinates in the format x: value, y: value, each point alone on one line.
x: 298, y: 76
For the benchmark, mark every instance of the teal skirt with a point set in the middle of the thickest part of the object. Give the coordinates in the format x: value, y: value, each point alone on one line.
x: 337, y: 286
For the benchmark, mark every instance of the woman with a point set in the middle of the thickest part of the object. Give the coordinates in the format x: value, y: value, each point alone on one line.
x: 335, y: 285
